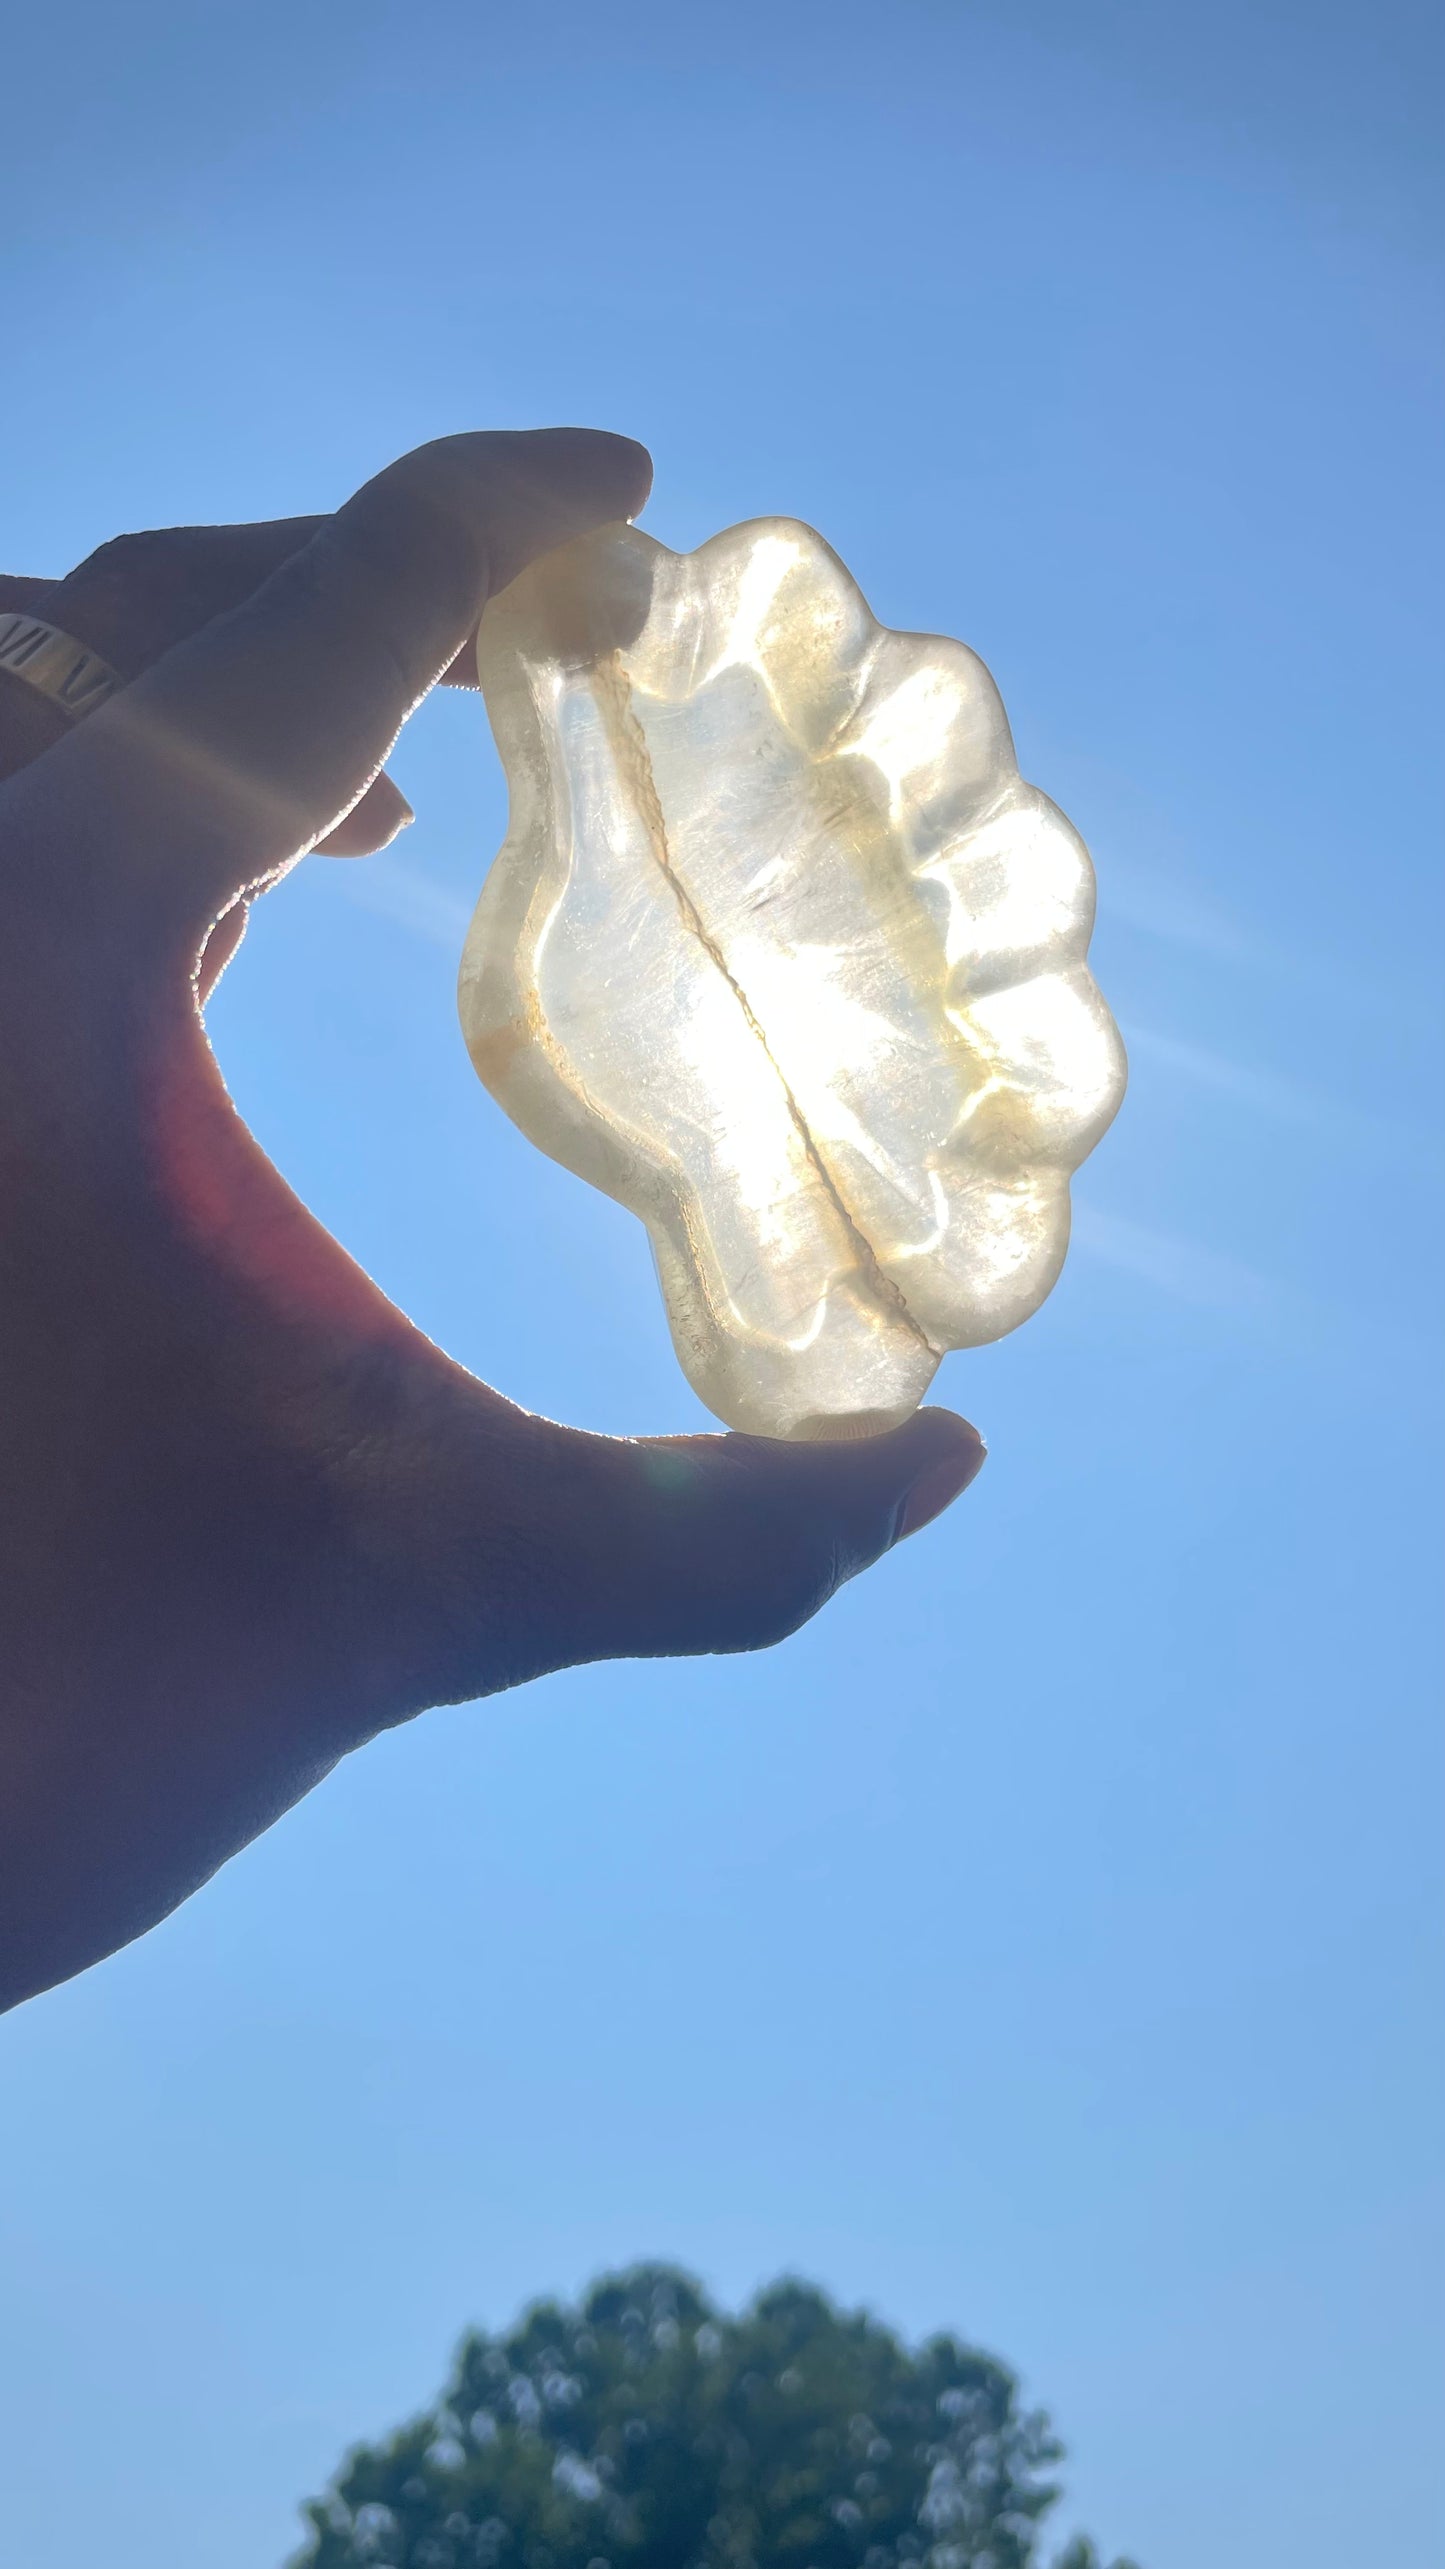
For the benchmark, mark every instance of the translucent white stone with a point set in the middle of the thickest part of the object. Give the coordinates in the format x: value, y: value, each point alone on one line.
x: 782, y: 953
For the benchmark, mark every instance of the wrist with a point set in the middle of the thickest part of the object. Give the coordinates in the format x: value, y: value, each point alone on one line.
x: 29, y: 724
x: 51, y: 676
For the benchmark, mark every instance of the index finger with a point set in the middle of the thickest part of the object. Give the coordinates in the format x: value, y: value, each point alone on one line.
x: 139, y: 595
x: 245, y: 744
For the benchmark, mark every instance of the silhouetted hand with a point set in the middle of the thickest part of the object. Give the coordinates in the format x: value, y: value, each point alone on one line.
x: 248, y: 1515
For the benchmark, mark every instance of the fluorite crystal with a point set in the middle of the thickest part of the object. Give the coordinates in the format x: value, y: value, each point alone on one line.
x: 782, y: 953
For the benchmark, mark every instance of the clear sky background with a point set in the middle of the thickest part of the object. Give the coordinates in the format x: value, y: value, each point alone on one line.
x: 1046, y: 1943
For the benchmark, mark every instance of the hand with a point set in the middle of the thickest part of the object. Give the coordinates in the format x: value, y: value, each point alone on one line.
x: 248, y: 1515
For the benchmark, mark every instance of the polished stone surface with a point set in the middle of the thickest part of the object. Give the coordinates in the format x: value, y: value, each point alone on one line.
x: 782, y: 953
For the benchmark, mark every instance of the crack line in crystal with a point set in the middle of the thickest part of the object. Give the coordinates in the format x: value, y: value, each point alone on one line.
x: 615, y: 692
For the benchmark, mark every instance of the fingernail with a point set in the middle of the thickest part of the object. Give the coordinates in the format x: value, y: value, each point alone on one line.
x: 937, y: 1487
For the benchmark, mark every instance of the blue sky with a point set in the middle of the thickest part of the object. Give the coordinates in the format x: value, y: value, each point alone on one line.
x: 1046, y: 1943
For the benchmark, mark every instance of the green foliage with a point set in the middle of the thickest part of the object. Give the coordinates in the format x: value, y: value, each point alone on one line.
x: 1081, y: 2554
x: 647, y: 2430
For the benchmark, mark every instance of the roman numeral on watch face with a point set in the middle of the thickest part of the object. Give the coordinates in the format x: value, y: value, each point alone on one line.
x: 56, y: 664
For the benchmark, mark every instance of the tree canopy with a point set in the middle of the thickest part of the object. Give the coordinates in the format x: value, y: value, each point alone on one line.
x: 645, y: 2429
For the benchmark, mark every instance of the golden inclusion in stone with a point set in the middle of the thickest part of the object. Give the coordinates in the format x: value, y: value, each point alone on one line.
x: 782, y: 953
